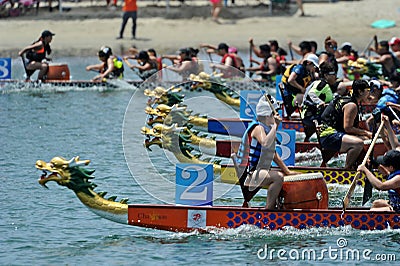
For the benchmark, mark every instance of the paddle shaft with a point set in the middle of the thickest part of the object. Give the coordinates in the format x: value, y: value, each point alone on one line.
x: 270, y: 104
x: 369, y: 44
x: 291, y: 52
x: 350, y: 192
x: 251, y: 59
x: 394, y: 113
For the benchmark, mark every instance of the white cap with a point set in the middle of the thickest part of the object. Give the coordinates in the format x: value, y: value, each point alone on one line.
x: 375, y: 83
x: 263, y: 108
x: 346, y: 44
x: 313, y: 59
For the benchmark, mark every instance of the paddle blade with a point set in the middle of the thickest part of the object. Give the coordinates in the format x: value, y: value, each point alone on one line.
x: 347, y: 198
x: 367, y: 191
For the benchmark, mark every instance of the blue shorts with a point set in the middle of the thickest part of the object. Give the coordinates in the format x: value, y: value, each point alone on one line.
x: 332, y: 142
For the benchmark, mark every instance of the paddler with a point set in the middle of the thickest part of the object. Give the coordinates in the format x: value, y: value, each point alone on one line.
x: 110, y: 67
x: 339, y: 130
x: 36, y: 54
x: 296, y: 79
x: 229, y: 67
x: 390, y: 166
x: 255, y: 155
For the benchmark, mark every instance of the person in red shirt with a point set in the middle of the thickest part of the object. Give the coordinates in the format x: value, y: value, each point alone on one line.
x: 129, y: 11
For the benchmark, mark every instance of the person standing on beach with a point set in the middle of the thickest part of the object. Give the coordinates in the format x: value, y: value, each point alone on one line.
x: 129, y: 11
x: 216, y: 9
x: 36, y: 53
x: 300, y: 5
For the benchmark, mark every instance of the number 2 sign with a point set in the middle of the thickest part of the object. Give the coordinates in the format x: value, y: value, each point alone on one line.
x: 194, y: 184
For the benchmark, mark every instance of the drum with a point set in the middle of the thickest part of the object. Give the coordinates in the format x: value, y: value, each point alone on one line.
x: 58, y: 72
x: 304, y: 191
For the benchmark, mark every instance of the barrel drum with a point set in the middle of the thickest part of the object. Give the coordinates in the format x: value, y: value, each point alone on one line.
x: 304, y: 191
x: 58, y: 72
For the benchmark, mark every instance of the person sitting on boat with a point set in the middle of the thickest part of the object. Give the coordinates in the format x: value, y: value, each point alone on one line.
x: 318, y: 95
x: 390, y: 166
x: 339, y: 130
x: 36, y: 54
x: 395, y: 46
x: 295, y: 81
x: 303, y: 49
x: 229, y: 67
x: 110, y: 67
x: 187, y: 65
x: 255, y: 154
x: 330, y: 53
x: 267, y: 69
x: 387, y: 59
x: 234, y: 51
x: 146, y: 66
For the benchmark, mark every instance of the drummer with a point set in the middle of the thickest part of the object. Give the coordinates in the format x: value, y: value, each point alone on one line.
x: 255, y: 155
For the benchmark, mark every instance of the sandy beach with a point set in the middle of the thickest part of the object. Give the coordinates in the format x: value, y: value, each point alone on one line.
x: 82, y: 35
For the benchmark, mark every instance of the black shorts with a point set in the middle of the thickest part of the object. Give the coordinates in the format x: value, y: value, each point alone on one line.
x: 247, y: 193
x: 332, y: 142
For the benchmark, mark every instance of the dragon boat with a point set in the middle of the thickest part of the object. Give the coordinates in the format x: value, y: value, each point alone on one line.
x: 179, y: 218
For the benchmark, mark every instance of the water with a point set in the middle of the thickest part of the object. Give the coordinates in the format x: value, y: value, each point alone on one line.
x: 51, y: 227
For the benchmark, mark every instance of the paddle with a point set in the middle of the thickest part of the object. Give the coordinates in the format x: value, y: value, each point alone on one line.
x: 394, y: 113
x: 367, y: 185
x: 27, y: 71
x: 350, y: 192
x: 291, y: 52
x: 267, y: 97
x: 369, y: 44
x: 251, y: 60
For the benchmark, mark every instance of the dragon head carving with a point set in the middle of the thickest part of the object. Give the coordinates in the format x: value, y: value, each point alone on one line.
x: 161, y: 95
x: 72, y: 175
x: 66, y: 173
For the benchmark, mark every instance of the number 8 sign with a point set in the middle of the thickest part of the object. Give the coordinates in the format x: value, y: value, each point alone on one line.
x: 5, y: 68
x: 194, y: 184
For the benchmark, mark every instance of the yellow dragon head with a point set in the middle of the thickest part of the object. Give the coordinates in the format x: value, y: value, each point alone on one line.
x: 64, y: 172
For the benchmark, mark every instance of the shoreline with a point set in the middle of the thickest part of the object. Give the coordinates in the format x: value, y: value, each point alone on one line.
x: 344, y: 21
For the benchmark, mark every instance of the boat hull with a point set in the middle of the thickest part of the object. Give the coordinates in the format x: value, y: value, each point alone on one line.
x: 203, y: 218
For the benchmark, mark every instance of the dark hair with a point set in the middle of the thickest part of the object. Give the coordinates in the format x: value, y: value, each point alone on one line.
x: 358, y: 86
x: 314, y: 44
x: 151, y: 50
x: 395, y: 77
x: 305, y: 46
x: 274, y: 43
x: 193, y: 51
x: 143, y: 55
x: 265, y: 48
x: 223, y: 46
x: 326, y: 67
x: 384, y: 44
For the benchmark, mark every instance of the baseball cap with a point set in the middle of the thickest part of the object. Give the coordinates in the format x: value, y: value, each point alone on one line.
x: 391, y: 158
x: 394, y: 41
x: 346, y: 46
x: 313, y: 59
x: 263, y: 108
x: 375, y: 84
x: 47, y: 33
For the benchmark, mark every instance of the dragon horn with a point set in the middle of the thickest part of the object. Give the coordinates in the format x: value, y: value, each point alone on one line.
x: 76, y: 162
